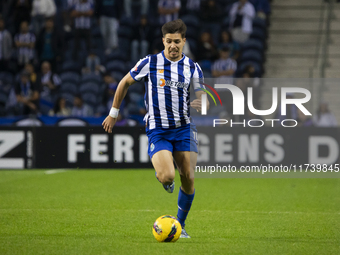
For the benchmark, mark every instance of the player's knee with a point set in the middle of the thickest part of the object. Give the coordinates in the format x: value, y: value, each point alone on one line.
x: 166, y: 178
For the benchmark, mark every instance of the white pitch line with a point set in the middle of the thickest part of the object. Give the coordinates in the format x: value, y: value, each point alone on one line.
x: 55, y: 171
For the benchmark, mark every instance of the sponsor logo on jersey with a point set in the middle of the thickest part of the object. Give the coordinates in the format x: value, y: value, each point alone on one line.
x: 169, y: 83
x: 161, y: 82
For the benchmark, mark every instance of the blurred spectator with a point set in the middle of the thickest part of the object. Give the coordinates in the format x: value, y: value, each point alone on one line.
x: 303, y: 120
x: 22, y: 12
x: 136, y: 8
x: 80, y: 109
x: 224, y: 68
x: 25, y: 42
x: 193, y: 7
x: 67, y: 9
x: 60, y: 109
x: 111, y: 87
x: 226, y: 40
x: 109, y: 14
x: 41, y: 9
x: 206, y: 48
x: 5, y: 46
x: 168, y: 10
x: 324, y: 117
x: 93, y: 64
x: 250, y: 72
x: 241, y: 15
x: 142, y: 35
x: 262, y: 8
x: 211, y: 16
x: 50, y: 44
x: 27, y: 95
x: 82, y: 11
x: 29, y: 68
x: 50, y: 83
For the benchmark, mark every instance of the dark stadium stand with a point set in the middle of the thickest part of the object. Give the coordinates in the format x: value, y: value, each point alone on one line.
x: 118, y: 61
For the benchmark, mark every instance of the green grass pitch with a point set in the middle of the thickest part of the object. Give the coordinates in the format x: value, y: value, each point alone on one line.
x: 112, y: 212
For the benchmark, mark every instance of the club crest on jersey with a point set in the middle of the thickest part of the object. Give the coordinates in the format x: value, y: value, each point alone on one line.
x: 187, y: 72
x: 152, y: 147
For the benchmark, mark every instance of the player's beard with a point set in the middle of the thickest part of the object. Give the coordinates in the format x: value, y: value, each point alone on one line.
x: 173, y: 53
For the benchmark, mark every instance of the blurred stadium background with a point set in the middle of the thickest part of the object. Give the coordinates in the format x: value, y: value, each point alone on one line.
x: 60, y: 63
x: 88, y: 55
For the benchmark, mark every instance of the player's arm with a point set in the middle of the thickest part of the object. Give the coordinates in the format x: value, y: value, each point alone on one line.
x: 121, y: 91
x: 197, y: 103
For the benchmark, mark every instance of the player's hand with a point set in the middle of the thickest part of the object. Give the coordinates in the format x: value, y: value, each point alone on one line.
x: 108, y: 123
x: 197, y: 105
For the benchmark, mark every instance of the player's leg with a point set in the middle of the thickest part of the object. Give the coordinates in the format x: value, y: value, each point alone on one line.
x: 186, y: 162
x: 160, y: 151
x: 163, y: 163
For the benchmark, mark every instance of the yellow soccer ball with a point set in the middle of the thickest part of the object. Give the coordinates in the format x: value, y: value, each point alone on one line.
x: 167, y: 229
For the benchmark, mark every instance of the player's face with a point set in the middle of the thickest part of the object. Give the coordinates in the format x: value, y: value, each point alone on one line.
x: 173, y: 46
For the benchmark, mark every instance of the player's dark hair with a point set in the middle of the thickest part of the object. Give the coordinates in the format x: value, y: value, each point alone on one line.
x: 173, y: 27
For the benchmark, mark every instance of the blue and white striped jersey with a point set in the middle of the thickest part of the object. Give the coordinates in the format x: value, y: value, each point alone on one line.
x: 168, y: 4
x: 27, y: 52
x: 83, y: 22
x: 224, y: 65
x: 167, y: 89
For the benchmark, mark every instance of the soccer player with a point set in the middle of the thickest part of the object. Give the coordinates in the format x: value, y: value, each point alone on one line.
x: 167, y: 77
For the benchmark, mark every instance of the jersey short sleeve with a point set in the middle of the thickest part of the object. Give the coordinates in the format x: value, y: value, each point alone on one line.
x: 141, y: 69
x: 198, y: 79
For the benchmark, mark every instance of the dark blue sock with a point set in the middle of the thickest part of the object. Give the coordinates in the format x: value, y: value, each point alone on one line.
x: 184, y: 204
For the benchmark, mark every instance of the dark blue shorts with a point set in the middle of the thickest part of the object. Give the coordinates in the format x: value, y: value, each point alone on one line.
x: 183, y: 138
